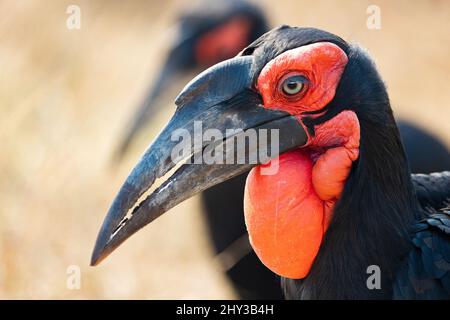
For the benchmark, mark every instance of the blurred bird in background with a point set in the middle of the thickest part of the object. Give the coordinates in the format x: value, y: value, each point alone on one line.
x: 206, y: 34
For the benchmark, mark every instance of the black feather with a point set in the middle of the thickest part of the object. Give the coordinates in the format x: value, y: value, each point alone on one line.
x: 426, y: 271
x: 433, y: 190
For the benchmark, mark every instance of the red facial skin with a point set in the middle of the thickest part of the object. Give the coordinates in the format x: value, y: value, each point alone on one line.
x: 223, y: 42
x: 288, y: 213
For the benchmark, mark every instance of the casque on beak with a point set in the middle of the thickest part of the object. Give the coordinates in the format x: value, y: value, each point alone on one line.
x: 221, y: 98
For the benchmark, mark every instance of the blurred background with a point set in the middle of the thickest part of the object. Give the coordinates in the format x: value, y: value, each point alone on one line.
x: 65, y: 96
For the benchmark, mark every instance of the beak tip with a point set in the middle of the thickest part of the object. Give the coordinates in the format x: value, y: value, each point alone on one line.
x: 94, y: 258
x: 99, y: 253
x: 93, y: 262
x: 97, y: 257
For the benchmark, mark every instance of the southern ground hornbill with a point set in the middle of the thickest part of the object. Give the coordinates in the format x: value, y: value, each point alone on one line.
x: 341, y: 198
x: 204, y: 39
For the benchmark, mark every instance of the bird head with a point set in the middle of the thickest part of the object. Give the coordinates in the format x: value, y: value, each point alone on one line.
x: 207, y: 33
x: 329, y: 113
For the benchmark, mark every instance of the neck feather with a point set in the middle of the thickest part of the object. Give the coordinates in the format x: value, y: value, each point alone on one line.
x: 371, y: 221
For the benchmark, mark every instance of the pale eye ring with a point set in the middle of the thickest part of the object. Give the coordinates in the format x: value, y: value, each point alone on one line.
x: 293, y: 85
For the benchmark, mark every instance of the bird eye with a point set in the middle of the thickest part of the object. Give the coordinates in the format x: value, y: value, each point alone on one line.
x: 293, y: 85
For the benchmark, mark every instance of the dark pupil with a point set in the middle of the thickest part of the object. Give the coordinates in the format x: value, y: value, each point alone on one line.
x: 292, y: 85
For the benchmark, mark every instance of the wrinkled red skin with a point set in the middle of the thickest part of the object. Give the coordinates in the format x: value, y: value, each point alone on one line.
x: 223, y: 41
x: 288, y: 213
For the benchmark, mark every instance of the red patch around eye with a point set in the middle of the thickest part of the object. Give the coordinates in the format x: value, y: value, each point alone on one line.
x: 223, y: 42
x: 321, y: 63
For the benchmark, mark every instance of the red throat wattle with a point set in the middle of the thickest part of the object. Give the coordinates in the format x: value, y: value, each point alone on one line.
x: 287, y: 213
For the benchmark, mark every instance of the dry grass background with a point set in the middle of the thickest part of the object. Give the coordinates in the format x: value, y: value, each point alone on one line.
x: 65, y: 95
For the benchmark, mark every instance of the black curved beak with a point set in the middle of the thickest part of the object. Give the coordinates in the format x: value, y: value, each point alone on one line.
x: 220, y: 100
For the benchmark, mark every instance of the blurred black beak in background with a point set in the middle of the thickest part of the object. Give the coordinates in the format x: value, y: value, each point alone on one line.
x: 206, y: 34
